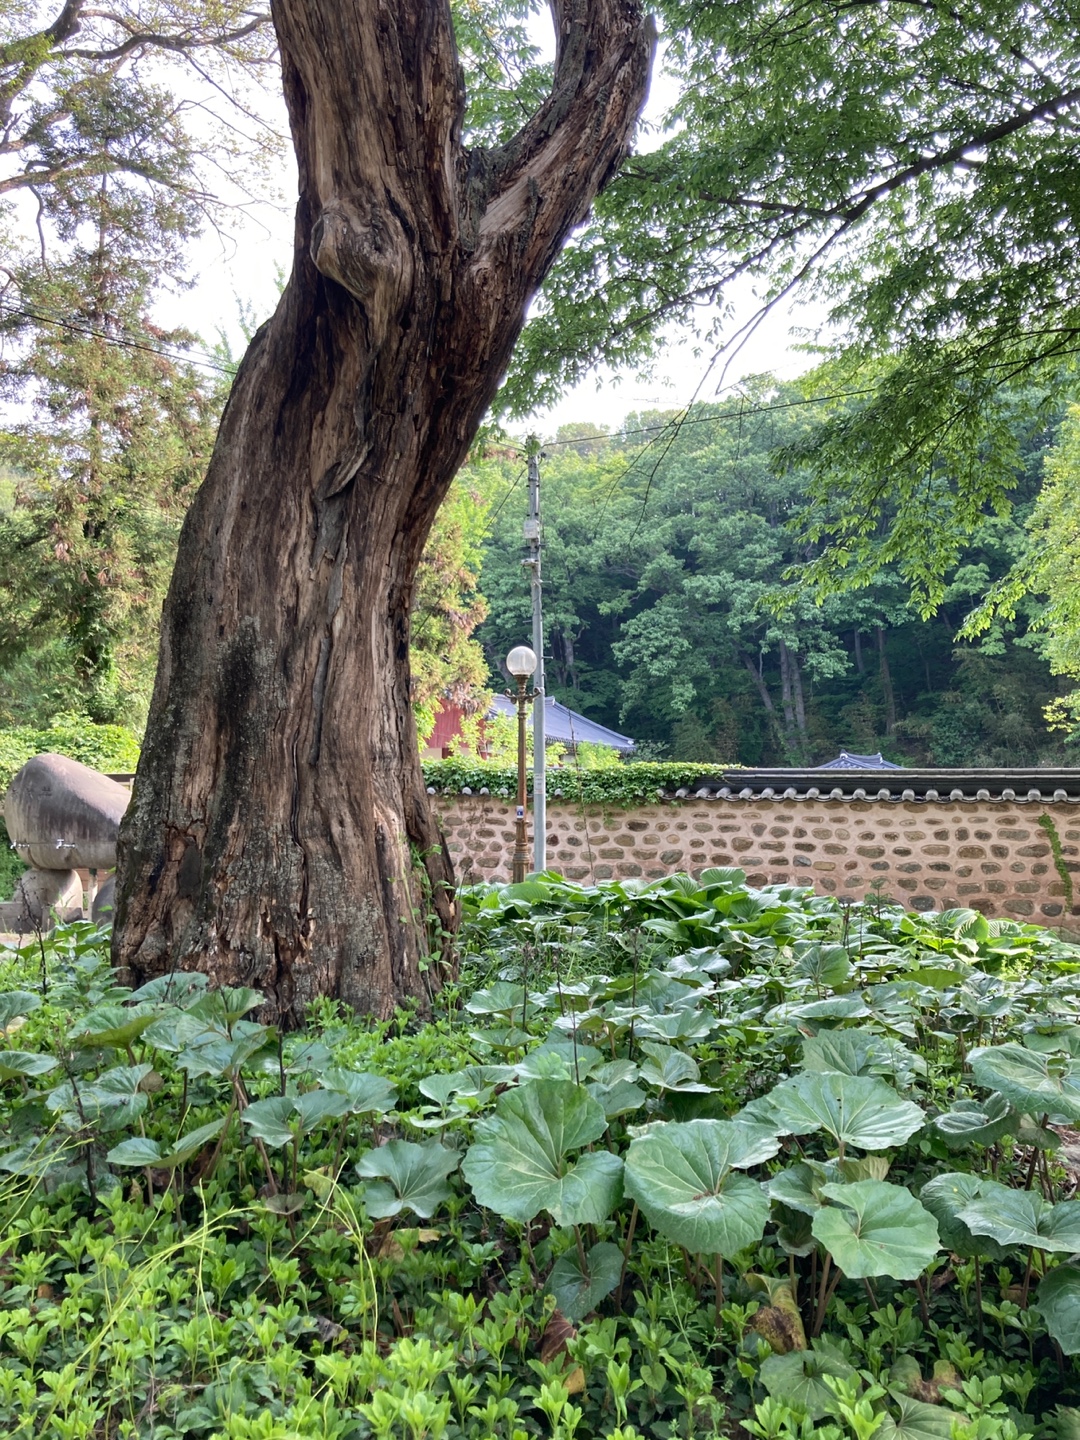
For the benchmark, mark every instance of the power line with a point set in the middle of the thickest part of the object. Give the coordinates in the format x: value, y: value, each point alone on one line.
x: 739, y: 414
x: 191, y: 357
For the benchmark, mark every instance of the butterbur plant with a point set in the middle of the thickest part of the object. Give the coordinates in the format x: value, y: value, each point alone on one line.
x: 772, y: 1164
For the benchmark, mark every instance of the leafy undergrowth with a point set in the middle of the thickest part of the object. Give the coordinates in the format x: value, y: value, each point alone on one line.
x: 675, y: 1160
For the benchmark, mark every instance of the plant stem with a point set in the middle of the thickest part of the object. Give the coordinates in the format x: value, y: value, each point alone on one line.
x: 1027, y: 1278
x: 924, y: 1309
x: 581, y: 1251
x: 625, y: 1258
x: 719, y: 1288
x: 819, y: 1317
x: 1034, y: 1158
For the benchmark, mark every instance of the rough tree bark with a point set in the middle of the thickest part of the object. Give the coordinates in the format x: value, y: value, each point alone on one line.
x: 279, y: 802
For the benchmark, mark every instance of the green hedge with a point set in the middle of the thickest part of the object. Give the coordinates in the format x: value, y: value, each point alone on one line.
x: 104, y: 747
x: 626, y: 785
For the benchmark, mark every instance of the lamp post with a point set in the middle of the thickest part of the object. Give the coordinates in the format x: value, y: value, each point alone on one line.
x: 521, y: 663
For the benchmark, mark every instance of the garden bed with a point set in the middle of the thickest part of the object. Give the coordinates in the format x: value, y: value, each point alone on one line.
x: 688, y: 1158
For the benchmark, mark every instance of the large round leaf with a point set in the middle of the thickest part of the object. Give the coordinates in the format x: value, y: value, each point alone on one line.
x: 682, y: 1177
x: 854, y: 1109
x: 25, y: 1062
x: 368, y: 1094
x: 404, y: 1176
x: 1058, y: 1302
x: 670, y: 1069
x: 798, y: 1378
x: 520, y: 1162
x: 1021, y: 1217
x: 977, y: 1122
x: 14, y: 1004
x: 874, y: 1228
x: 917, y: 1421
x: 799, y: 1186
x: 1042, y: 1084
x: 112, y: 1026
x: 578, y: 1292
x: 945, y: 1196
x: 847, y: 1052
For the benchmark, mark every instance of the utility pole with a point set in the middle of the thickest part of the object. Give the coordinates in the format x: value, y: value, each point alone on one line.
x: 532, y: 540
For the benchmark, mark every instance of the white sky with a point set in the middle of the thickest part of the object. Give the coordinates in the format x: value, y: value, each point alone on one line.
x: 242, y: 270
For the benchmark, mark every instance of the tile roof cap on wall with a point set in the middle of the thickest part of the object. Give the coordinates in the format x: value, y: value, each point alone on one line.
x: 1045, y: 785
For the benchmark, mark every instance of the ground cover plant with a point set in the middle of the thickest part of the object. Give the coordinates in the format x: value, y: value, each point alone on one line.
x: 668, y: 1159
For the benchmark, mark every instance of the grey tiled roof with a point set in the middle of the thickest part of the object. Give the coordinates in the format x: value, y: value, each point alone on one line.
x: 562, y: 723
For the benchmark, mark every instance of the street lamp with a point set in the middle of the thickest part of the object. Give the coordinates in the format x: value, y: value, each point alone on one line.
x: 521, y: 663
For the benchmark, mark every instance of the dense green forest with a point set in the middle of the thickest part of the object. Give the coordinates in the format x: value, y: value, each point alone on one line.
x: 674, y: 605
x: 675, y: 613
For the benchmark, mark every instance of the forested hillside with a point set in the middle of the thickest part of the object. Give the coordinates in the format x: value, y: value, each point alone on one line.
x: 665, y: 548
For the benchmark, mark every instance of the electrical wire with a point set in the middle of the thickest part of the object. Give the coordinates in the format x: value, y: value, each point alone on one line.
x: 191, y: 357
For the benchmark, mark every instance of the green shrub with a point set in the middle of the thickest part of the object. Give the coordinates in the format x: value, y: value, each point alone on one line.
x: 110, y: 748
x: 611, y: 785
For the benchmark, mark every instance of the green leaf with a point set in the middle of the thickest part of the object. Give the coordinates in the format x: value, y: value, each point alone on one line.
x: 825, y: 966
x: 191, y: 1143
x: 976, y: 1122
x: 502, y: 998
x: 834, y: 1007
x: 686, y: 1023
x: 1039, y: 1083
x: 621, y: 1098
x: 316, y: 1106
x: 414, y: 1175
x: 1022, y: 1217
x: 559, y: 1059
x: 681, y: 1175
x: 874, y: 1228
x: 846, y: 1052
x: 16, y: 1003
x: 519, y: 1163
x: 917, y: 1421
x: 723, y: 877
x: 1058, y: 1302
x: 367, y: 1094
x: 937, y: 977
x: 854, y: 1109
x: 25, y: 1062
x: 226, y: 1005
x: 178, y: 987
x: 945, y: 1196
x: 796, y: 1379
x: 578, y: 1292
x: 669, y: 1069
x: 114, y: 1099
x: 268, y: 1120
x: 139, y: 1150
x: 286, y: 1204
x: 799, y: 1187
x: 115, y: 1026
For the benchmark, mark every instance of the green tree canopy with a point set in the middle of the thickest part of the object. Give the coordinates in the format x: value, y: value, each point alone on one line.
x: 665, y: 547
x: 915, y: 165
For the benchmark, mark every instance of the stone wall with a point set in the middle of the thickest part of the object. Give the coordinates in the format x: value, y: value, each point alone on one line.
x: 992, y: 855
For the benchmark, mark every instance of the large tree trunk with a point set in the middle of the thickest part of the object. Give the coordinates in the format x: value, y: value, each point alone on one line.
x: 279, y: 822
